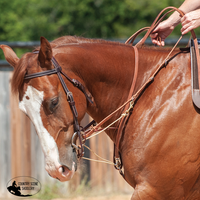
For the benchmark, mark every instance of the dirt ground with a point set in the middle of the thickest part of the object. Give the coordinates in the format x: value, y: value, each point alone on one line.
x: 110, y: 197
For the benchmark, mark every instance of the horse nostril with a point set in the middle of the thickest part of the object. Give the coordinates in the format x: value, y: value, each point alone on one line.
x: 63, y: 169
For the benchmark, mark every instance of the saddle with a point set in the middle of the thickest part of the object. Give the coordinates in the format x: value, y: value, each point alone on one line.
x: 195, y: 73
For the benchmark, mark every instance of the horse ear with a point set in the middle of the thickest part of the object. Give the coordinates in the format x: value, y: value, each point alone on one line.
x: 45, y: 54
x: 10, y: 55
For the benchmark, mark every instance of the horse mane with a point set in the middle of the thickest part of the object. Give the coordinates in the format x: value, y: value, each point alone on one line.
x: 61, y: 41
x: 21, y: 69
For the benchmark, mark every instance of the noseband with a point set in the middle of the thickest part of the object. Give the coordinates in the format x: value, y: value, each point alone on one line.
x: 58, y: 70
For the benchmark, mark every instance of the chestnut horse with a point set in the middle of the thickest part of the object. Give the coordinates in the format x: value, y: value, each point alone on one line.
x: 160, y: 145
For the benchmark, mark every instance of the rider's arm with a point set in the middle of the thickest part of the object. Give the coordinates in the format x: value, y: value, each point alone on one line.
x: 190, y: 21
x: 186, y: 7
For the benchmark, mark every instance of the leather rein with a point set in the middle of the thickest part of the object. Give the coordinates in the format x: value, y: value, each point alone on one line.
x: 85, y: 133
x: 128, y: 105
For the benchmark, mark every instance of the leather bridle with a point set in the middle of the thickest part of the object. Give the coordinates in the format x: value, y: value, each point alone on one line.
x: 58, y: 70
x: 131, y: 98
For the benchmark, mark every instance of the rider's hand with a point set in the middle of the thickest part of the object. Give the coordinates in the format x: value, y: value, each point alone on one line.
x: 190, y: 21
x: 161, y: 32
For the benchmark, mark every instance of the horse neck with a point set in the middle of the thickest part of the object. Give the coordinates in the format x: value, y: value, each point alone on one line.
x: 109, y: 77
x: 150, y: 59
x: 107, y: 72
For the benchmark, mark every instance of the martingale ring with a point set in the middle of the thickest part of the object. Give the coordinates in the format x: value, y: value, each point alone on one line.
x: 78, y: 148
x: 72, y: 142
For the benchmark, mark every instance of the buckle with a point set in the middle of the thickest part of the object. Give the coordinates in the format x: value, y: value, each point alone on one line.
x: 118, y: 163
x: 69, y: 96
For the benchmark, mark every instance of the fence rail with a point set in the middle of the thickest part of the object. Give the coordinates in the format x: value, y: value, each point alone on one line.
x: 21, y: 45
x: 31, y: 45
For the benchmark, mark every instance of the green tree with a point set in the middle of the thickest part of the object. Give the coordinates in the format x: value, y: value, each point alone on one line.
x: 25, y: 20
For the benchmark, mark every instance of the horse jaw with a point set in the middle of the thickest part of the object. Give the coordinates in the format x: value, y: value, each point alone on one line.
x: 31, y: 105
x: 10, y: 55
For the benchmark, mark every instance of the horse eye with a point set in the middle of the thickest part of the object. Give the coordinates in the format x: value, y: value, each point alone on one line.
x: 54, y: 103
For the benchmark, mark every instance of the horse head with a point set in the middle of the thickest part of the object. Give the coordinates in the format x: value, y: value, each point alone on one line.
x: 44, y: 100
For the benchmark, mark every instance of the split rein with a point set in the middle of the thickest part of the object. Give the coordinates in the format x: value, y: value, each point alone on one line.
x: 90, y: 130
x: 129, y: 104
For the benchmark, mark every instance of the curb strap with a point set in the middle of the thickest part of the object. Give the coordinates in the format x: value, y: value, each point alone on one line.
x: 92, y: 123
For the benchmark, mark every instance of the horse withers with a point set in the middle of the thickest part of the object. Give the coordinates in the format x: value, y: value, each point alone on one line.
x: 159, y: 146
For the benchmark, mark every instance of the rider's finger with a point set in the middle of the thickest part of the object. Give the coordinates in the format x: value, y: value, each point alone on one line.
x: 153, y: 35
x: 186, y: 30
x: 162, y: 42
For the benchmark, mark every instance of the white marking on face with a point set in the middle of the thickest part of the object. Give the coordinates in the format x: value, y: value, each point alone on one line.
x: 31, y: 105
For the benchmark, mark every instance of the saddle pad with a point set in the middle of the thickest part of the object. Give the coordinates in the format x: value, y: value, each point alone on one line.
x: 194, y: 75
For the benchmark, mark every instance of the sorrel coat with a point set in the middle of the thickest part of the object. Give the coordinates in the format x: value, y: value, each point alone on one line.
x: 160, y: 146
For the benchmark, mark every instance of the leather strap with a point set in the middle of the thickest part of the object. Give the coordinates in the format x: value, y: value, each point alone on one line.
x: 133, y: 37
x: 58, y: 70
x: 94, y: 129
x: 125, y: 117
x: 156, y: 22
x: 117, y: 158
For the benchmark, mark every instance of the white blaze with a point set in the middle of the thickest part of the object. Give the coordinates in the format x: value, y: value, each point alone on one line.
x: 31, y: 104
